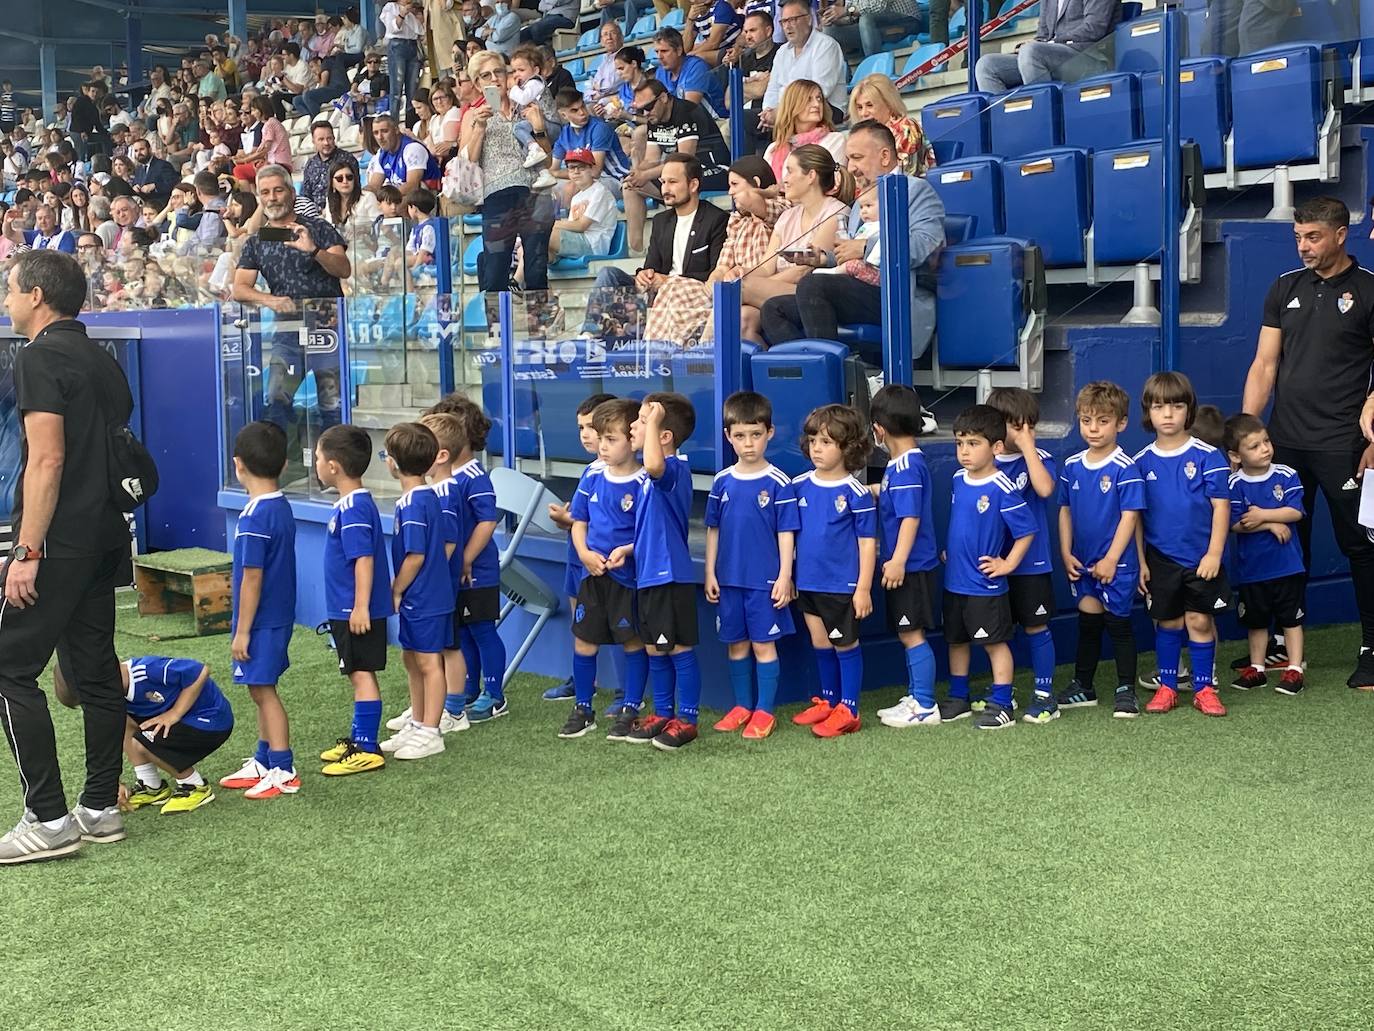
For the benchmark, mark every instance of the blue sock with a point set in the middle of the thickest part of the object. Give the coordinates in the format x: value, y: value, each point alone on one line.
x: 493, y: 652
x: 742, y: 681
x: 282, y: 760
x: 260, y: 754
x: 920, y: 671
x: 851, y: 677
x: 467, y: 644
x: 1204, y: 655
x: 636, y: 676
x: 584, y: 678
x: 768, y: 685
x: 1042, y: 660
x: 367, y: 720
x: 454, y: 704
x: 1001, y: 695
x: 828, y: 667
x: 1168, y: 649
x: 688, y: 685
x: 958, y: 686
x: 661, y: 674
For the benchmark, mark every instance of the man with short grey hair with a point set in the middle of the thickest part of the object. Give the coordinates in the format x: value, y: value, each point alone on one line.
x: 310, y: 264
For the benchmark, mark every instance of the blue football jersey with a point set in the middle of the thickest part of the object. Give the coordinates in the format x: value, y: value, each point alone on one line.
x: 750, y: 510
x: 454, y: 527
x: 1260, y: 556
x: 608, y: 505
x: 265, y: 538
x: 665, y: 509
x: 905, y: 494
x: 354, y: 532
x: 1180, y: 486
x: 592, y: 467
x: 1013, y: 467
x: 156, y: 682
x: 832, y: 516
x: 1097, y: 493
x: 419, y: 530
x: 985, y: 517
x: 478, y: 506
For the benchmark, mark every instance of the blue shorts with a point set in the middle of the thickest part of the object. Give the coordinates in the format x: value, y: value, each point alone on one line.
x: 748, y: 615
x: 429, y: 634
x: 573, y: 575
x: 267, y: 658
x: 1116, y: 597
x: 572, y: 244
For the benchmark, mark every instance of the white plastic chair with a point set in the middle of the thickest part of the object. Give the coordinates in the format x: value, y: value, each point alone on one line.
x: 527, y: 501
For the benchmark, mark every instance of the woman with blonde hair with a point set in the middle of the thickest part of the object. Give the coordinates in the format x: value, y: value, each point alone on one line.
x: 876, y: 98
x: 803, y: 117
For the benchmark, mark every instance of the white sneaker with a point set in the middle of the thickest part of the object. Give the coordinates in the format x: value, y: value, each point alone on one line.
x: 536, y: 156
x: 420, y: 745
x: 904, y: 705
x: 545, y: 181
x: 399, y: 722
x: 247, y: 775
x: 448, y: 723
x: 275, y: 782
x: 397, y: 739
x: 916, y: 716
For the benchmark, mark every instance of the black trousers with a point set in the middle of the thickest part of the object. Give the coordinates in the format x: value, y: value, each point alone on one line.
x: 1334, y: 473
x: 818, y: 307
x: 74, y: 615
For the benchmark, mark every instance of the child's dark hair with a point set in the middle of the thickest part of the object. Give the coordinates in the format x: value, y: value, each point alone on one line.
x: 897, y: 409
x: 679, y: 417
x: 1208, y: 425
x: 567, y: 98
x: 261, y: 447
x: 981, y: 421
x: 1238, y: 427
x: 1019, y: 407
x: 845, y: 427
x: 421, y: 200
x: 1103, y: 397
x: 615, y: 414
x: 475, y: 424
x: 350, y: 446
x: 594, y: 402
x: 412, y: 446
x: 747, y: 407
x: 1167, y: 388
x: 390, y: 194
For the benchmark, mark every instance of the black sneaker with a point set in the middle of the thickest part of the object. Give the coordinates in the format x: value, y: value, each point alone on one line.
x: 955, y: 709
x: 646, y: 728
x: 580, y: 721
x: 994, y: 717
x: 1249, y: 678
x: 1076, y: 696
x: 676, y: 734
x: 1363, y: 677
x: 624, y: 723
x: 1276, y: 654
x: 1124, y: 703
x: 1291, y: 682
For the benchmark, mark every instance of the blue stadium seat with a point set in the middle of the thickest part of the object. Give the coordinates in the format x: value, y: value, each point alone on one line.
x: 962, y: 118
x: 1204, y: 107
x: 1046, y: 200
x: 577, y: 68
x: 797, y: 377
x: 1102, y: 111
x: 1324, y: 22
x: 973, y: 187
x: 947, y: 150
x: 674, y: 19
x: 958, y: 229
x: 475, y: 314
x: 1027, y: 119
x: 472, y: 220
x: 576, y: 266
x: 694, y: 375
x: 986, y: 293
x: 1140, y: 43
x: 526, y: 410
x: 645, y: 27
x: 1128, y: 203
x: 473, y: 249
x: 880, y: 64
x: 1199, y: 33
x: 918, y: 57
x: 586, y: 41
x: 1287, y: 79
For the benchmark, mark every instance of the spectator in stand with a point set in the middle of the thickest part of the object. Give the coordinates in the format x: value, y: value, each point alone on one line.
x: 79, y: 203
x: 404, y: 163
x: 605, y: 81
x: 557, y: 14
x: 104, y: 226
x: 711, y: 30
x: 327, y: 156
x: 85, y: 125
x: 864, y: 27
x: 686, y: 76
x: 180, y: 135
x: 153, y: 178
x: 158, y: 90
x: 326, y: 30
x: 584, y: 131
x: 1067, y: 40
x: 13, y: 164
x: 824, y: 301
x: 808, y: 54
x: 611, y: 10
x: 555, y: 74
x: 371, y: 86
x: 209, y: 232
x: 347, y: 207
x: 119, y: 139
x: 876, y: 98
x: 295, y: 79
x: 404, y: 21
x: 501, y: 33
x: 592, y: 215
x: 803, y: 118
x: 12, y: 232
x: 350, y: 41
x: 629, y: 66
x: 271, y: 145
x: 208, y: 82
x: 444, y: 124
x: 47, y: 235
x: 90, y: 251
x: 115, y: 116
x: 675, y: 126
x: 9, y: 111
x: 226, y: 67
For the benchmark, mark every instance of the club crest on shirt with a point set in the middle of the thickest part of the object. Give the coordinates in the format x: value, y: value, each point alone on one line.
x: 983, y: 503
x: 1104, y: 484
x: 627, y: 502
x: 1346, y: 302
x: 334, y: 524
x: 1278, y: 492
x: 764, y: 498
x: 1190, y: 469
x: 156, y: 697
x: 841, y: 503
x: 1022, y: 480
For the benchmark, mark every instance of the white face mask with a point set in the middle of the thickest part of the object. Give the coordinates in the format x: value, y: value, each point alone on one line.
x: 502, y: 8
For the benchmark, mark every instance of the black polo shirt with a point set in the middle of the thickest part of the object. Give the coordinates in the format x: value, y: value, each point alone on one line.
x: 63, y: 372
x: 1325, y: 357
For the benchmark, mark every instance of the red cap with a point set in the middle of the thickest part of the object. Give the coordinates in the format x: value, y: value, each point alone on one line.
x: 580, y: 156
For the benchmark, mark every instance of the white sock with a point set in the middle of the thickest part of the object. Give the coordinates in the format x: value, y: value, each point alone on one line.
x: 416, y: 725
x: 91, y: 812
x: 195, y: 780
x: 1295, y: 669
x: 432, y: 731
x: 148, y: 774
x: 55, y: 825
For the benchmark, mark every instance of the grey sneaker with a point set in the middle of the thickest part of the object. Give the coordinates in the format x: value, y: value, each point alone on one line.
x: 30, y: 841
x: 104, y: 827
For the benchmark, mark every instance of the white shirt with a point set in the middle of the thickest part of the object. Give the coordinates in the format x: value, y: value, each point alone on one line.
x: 600, y: 208
x: 682, y: 236
x: 299, y: 73
x: 821, y: 61
x: 401, y: 25
x: 437, y: 123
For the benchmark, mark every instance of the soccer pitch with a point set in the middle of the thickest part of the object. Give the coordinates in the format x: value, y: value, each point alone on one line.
x: 1166, y: 872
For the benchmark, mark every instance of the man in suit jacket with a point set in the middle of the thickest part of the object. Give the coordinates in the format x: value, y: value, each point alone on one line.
x: 1069, y: 30
x: 153, y: 177
x: 685, y: 240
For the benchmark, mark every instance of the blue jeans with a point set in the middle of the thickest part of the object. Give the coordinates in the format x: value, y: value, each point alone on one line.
x: 867, y: 33
x: 631, y: 15
x: 542, y: 31
x: 403, y: 68
x: 310, y: 102
x: 508, y: 214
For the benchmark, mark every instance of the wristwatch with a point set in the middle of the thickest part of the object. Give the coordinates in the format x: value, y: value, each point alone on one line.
x: 23, y: 553
x: 315, y: 251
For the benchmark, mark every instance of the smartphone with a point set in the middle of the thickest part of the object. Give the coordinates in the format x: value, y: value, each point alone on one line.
x: 493, y: 95
x: 797, y: 256
x: 271, y: 234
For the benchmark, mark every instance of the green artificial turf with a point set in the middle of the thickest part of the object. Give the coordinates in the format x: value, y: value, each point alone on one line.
x: 1171, y: 872
x: 186, y: 560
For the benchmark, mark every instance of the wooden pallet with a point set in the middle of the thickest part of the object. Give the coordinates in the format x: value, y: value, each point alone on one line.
x: 194, y: 580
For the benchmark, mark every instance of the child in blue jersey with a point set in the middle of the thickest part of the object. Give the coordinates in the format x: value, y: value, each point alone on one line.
x: 1266, y: 500
x: 665, y: 589
x: 478, y: 603
x: 421, y: 591
x: 448, y: 434
x: 1101, y: 496
x: 264, y: 607
x: 1031, y: 590
x: 357, y: 588
x: 837, y: 547
x: 751, y: 524
x: 1183, y: 540
x: 561, y: 515
x: 987, y: 513
x: 908, y: 556
x: 603, y: 531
